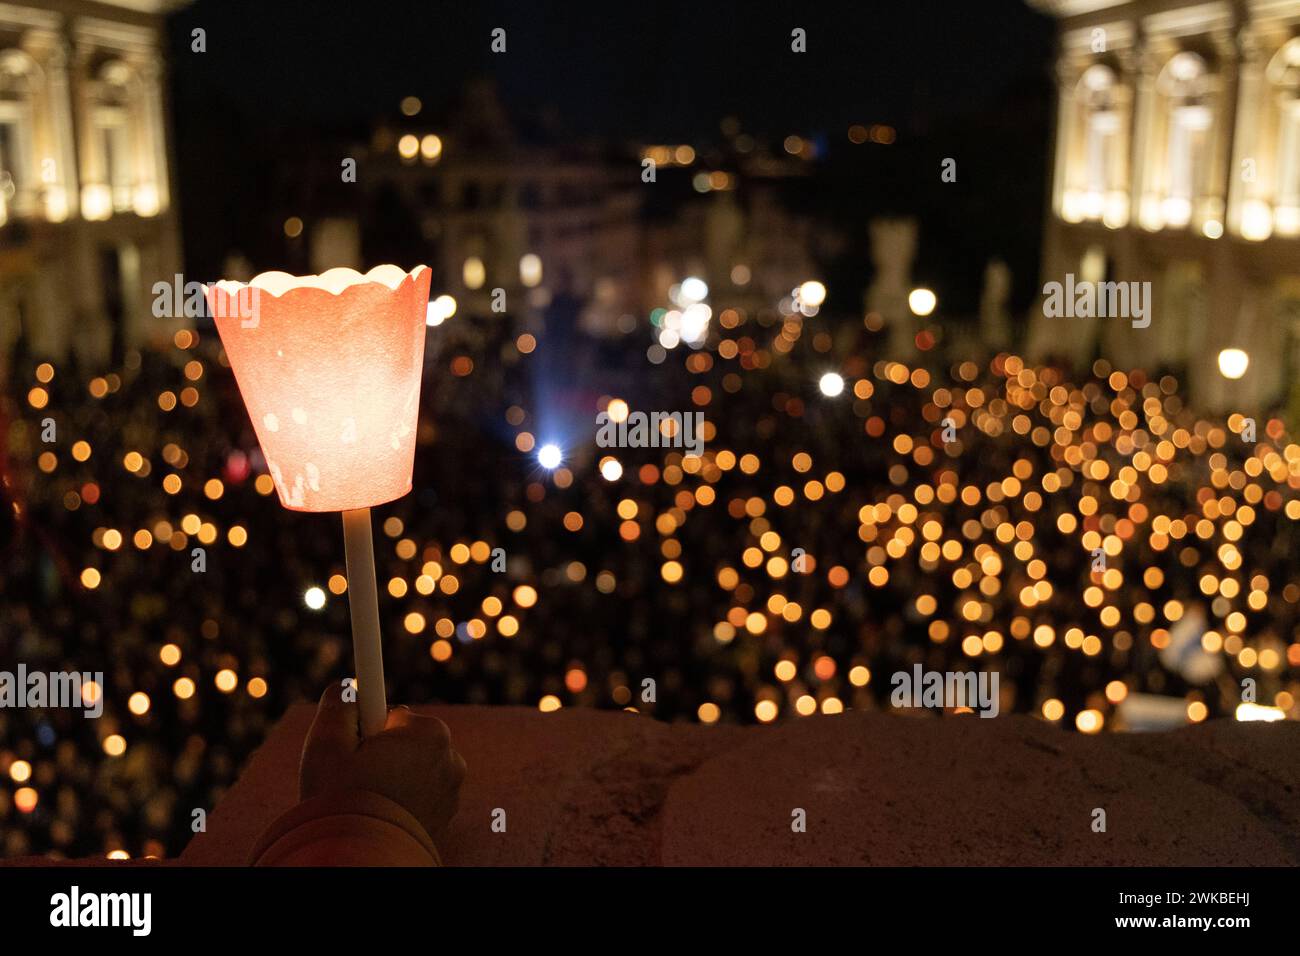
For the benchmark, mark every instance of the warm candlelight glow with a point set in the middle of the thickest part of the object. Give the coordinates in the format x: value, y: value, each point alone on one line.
x: 329, y: 369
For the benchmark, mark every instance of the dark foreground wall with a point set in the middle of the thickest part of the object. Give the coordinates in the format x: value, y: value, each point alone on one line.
x: 604, y: 787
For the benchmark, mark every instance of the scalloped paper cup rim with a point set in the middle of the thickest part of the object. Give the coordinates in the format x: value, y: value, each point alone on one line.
x: 333, y: 281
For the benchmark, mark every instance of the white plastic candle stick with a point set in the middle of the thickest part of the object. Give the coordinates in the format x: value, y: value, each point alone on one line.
x: 363, y: 601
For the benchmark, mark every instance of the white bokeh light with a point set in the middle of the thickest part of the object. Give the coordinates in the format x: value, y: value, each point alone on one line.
x: 440, y: 310
x: 1233, y: 363
x: 693, y: 289
x: 695, y: 323
x: 549, y: 456
x: 922, y: 301
x: 812, y: 293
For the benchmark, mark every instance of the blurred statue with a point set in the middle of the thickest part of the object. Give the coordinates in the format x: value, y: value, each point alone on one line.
x: 724, y: 233
x: 1184, y: 654
x: 893, y: 247
x: 995, y: 328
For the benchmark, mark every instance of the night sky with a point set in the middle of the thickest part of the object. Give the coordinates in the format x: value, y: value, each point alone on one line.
x: 281, y: 82
x: 664, y: 70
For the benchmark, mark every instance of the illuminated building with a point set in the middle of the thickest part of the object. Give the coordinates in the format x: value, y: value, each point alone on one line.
x: 508, y: 203
x: 1177, y: 161
x: 87, y: 217
x: 504, y: 207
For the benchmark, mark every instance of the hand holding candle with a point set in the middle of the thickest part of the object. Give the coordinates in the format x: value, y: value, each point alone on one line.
x: 329, y: 368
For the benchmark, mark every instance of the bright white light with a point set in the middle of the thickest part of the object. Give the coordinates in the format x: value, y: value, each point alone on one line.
x: 812, y: 293
x: 1177, y: 211
x: 96, y: 202
x: 549, y: 457
x: 1116, y: 213
x: 56, y: 203
x: 1152, y: 219
x: 530, y: 269
x: 1072, y: 206
x: 1248, y: 711
x: 314, y: 598
x: 695, y: 323
x: 611, y: 470
x: 1256, y: 220
x: 146, y: 200
x: 1286, y: 219
x: 831, y: 384
x: 694, y: 289
x: 921, y: 301
x: 440, y: 310
x: 1092, y: 203
x: 1233, y: 363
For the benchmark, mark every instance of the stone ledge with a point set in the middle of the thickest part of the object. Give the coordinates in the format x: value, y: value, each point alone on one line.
x: 604, y: 787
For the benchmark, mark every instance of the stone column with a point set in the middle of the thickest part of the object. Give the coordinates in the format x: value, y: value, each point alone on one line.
x: 55, y: 169
x: 1065, y: 118
x: 1225, y: 107
x: 60, y: 103
x: 90, y: 161
x: 1144, y: 117
x: 155, y: 134
x: 1251, y: 93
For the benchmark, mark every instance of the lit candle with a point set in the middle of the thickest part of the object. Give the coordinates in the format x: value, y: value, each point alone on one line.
x: 329, y: 369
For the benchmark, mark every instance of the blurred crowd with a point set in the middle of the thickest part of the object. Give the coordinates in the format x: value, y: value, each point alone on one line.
x: 1088, y: 537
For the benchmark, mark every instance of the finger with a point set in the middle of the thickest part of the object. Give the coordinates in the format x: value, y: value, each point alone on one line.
x: 399, y: 716
x: 419, y: 725
x: 337, y: 727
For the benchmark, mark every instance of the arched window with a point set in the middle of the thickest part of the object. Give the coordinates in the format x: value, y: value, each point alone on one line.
x: 19, y: 171
x: 1284, y: 77
x: 124, y: 167
x: 113, y: 129
x: 1185, y: 83
x: 1097, y: 95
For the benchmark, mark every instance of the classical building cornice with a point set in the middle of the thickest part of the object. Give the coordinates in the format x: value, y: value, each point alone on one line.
x: 1119, y: 36
x: 13, y: 15
x: 158, y: 7
x: 1286, y: 8
x: 1074, y: 8
x: 1191, y: 19
x: 127, y: 38
x: 22, y: 16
